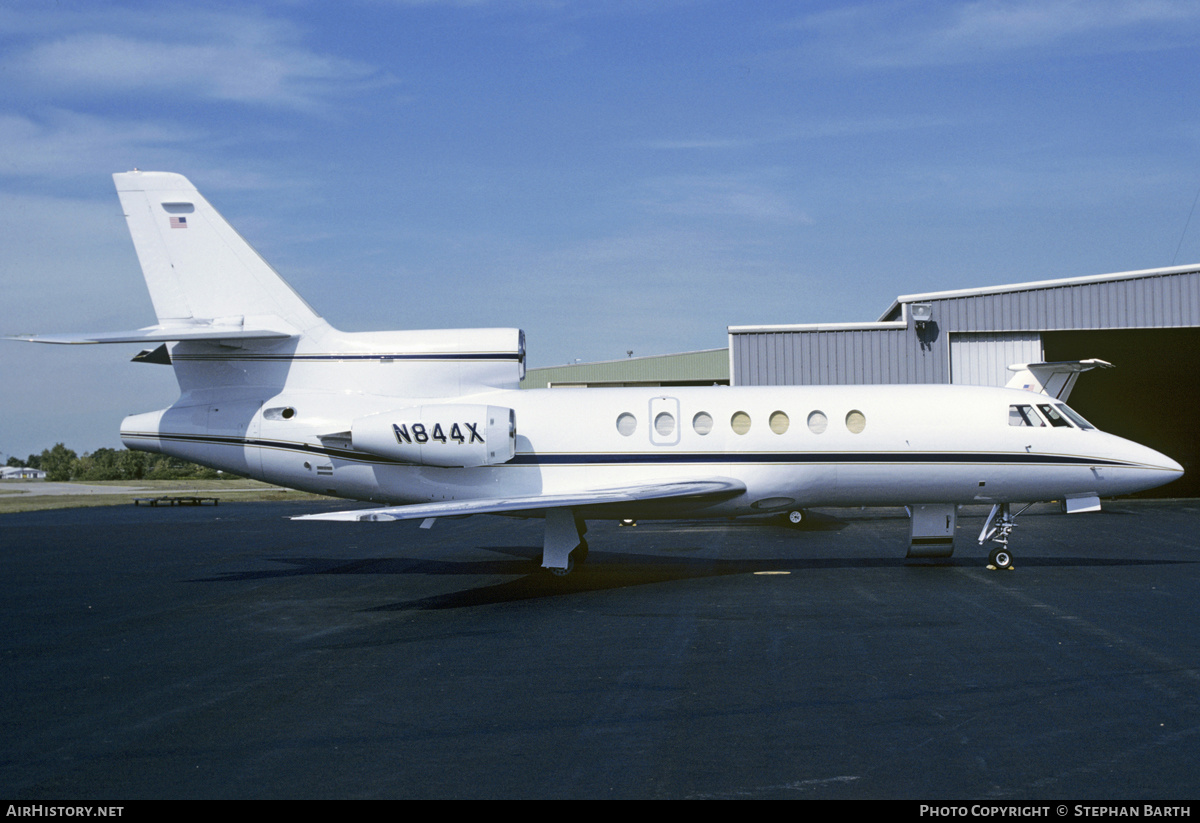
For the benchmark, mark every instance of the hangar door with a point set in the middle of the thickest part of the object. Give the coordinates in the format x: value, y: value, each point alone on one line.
x: 1152, y: 396
x: 982, y: 359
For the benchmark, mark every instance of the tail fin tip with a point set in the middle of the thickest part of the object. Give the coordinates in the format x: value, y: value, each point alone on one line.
x: 197, y: 267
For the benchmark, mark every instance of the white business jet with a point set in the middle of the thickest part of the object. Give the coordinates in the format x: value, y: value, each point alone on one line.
x: 430, y: 424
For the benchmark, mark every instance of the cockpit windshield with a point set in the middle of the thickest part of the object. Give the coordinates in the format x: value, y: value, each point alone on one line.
x: 1075, y: 417
x: 1059, y: 415
x: 1055, y: 417
x: 1023, y: 415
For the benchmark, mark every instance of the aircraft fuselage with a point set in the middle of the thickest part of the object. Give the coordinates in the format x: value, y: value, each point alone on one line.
x: 791, y: 446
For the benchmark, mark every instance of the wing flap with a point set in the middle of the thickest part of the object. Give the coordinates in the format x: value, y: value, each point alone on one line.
x: 698, y: 491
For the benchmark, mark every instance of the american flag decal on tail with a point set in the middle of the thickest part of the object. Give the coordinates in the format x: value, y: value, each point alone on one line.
x: 179, y: 222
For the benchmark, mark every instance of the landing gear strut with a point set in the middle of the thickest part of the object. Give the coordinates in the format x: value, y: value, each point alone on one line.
x: 997, y: 528
x: 564, y: 548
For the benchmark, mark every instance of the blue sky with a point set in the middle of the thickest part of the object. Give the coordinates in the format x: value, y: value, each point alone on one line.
x: 607, y: 175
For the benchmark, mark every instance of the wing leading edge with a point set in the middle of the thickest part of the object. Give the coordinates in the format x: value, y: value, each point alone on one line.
x: 699, y: 492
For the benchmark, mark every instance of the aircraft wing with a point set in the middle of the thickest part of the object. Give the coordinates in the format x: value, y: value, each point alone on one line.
x: 698, y: 491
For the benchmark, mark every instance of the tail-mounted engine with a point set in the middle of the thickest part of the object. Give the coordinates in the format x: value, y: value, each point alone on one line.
x: 449, y: 435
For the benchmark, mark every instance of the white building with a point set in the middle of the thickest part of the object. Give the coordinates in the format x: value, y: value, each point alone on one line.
x: 21, y: 473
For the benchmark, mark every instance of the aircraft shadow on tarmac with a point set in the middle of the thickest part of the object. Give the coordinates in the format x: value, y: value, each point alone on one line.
x: 608, y: 570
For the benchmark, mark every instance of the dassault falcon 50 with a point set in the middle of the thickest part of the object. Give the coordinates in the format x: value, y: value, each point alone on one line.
x: 428, y: 424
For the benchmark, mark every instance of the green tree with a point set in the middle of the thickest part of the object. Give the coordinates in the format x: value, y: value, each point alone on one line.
x: 59, y: 462
x: 131, y: 464
x: 99, y: 465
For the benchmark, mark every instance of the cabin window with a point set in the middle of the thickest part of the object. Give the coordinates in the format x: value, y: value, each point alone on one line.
x: 856, y: 421
x: 740, y: 422
x: 1023, y: 416
x: 1076, y: 418
x: 817, y: 422
x: 664, y: 424
x: 1052, y: 414
x: 702, y: 422
x: 779, y: 422
x: 626, y: 424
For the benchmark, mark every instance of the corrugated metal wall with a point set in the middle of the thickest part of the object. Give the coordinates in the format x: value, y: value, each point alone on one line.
x: 1152, y: 302
x: 703, y: 367
x: 983, y: 358
x: 883, y: 353
x: 836, y: 357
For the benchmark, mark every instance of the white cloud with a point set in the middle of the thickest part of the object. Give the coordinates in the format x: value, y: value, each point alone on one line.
x: 244, y: 58
x: 62, y: 144
x: 721, y: 195
x: 906, y: 34
x: 68, y: 262
x: 813, y: 129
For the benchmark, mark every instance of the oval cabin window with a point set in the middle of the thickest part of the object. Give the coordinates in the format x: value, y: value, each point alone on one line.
x: 664, y: 424
x: 626, y: 424
x: 740, y: 422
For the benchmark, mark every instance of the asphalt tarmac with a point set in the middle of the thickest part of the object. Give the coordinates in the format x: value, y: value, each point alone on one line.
x: 231, y: 653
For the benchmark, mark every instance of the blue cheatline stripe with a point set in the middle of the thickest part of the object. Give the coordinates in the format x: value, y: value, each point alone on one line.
x: 677, y: 458
x: 818, y: 458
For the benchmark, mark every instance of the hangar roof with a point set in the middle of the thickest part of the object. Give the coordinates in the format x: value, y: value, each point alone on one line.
x: 894, y: 311
x: 1158, y: 298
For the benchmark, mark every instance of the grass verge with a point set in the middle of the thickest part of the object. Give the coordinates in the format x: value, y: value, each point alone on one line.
x: 242, y: 491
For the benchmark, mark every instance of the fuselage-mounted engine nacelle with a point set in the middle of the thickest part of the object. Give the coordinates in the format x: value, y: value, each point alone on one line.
x: 451, y: 435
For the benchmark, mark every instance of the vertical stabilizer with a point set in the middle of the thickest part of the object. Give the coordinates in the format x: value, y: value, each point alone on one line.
x: 197, y: 268
x: 1053, y: 379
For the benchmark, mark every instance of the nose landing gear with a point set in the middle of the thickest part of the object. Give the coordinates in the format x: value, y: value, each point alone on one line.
x: 998, y: 526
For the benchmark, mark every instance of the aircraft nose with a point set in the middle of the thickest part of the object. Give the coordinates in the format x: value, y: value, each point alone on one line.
x: 1144, y: 468
x: 1164, y: 467
x: 1169, y: 465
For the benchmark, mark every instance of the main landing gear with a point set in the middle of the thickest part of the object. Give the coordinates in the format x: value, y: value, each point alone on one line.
x: 565, y: 548
x: 997, y: 528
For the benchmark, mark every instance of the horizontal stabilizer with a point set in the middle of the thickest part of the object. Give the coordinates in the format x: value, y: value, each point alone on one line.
x: 1054, y: 379
x: 160, y: 334
x: 701, y: 491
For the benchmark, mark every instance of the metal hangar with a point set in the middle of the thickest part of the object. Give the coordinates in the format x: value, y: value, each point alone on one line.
x: 1147, y: 323
x: 698, y: 368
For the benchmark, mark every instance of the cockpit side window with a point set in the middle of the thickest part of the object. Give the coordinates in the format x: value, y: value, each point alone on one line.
x: 1075, y: 416
x: 1023, y: 416
x: 1055, y: 417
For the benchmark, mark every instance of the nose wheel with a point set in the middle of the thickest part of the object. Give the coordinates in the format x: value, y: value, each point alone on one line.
x: 1000, y: 557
